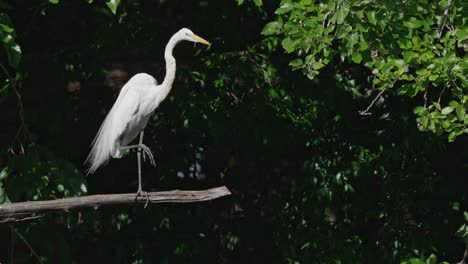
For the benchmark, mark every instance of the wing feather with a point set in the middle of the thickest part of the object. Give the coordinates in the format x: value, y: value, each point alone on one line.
x: 105, y: 144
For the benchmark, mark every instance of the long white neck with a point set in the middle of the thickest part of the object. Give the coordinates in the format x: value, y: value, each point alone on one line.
x: 170, y: 63
x: 160, y: 93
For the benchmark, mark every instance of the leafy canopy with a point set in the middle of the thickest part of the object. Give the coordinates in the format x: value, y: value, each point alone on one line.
x: 415, y: 48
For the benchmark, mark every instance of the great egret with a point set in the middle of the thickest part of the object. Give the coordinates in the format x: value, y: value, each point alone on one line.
x: 137, y: 100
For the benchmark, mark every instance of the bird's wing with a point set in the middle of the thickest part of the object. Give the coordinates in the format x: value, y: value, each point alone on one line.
x: 105, y: 144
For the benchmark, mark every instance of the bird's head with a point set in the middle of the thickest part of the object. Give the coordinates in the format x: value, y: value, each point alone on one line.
x: 187, y: 34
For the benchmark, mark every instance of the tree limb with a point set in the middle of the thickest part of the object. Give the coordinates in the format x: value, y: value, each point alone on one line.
x: 444, y: 18
x: 14, y: 211
x: 366, y: 112
x: 33, y: 252
x: 465, y: 257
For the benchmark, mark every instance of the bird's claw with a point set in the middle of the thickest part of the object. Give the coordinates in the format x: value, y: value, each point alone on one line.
x: 147, y: 151
x: 143, y: 193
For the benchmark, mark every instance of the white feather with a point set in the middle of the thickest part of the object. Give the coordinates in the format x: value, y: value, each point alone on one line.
x: 139, y: 97
x: 123, y: 122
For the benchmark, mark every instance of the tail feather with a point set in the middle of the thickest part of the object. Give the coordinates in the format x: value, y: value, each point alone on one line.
x: 103, y: 146
x: 107, y: 143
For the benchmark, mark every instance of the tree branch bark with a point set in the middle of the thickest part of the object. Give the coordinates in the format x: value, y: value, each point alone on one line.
x: 465, y: 257
x: 16, y: 211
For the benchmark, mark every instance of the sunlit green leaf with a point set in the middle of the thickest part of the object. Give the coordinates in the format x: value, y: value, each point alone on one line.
x: 258, y: 2
x: 284, y: 8
x: 113, y: 5
x: 432, y: 259
x: 419, y: 110
x: 271, y: 28
x: 462, y: 33
x: 460, y: 110
x: 371, y: 17
x: 356, y: 57
x: 288, y: 44
x: 413, y: 23
x: 447, y: 110
x: 296, y: 63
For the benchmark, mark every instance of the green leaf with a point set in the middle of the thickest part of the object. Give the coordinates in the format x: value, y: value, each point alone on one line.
x: 258, y: 2
x: 273, y: 93
x: 54, y: 1
x: 462, y: 33
x: 452, y: 136
x: 409, y: 55
x: 447, y: 110
x: 271, y: 28
x: 462, y: 232
x: 371, y: 17
x: 454, y: 104
x: 288, y: 44
x: 240, y: 2
x: 432, y: 259
x: 405, y: 43
x: 296, y: 63
x: 419, y: 110
x: 6, y: 28
x: 413, y: 261
x: 13, y: 52
x: 363, y: 45
x: 3, y: 91
x: 433, y: 77
x: 284, y: 8
x: 413, y: 23
x: 341, y: 15
x: 423, y: 121
x: 306, y: 245
x: 356, y: 57
x: 113, y: 4
x: 460, y: 110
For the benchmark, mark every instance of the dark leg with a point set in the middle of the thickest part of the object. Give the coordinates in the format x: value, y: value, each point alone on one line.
x: 143, y: 148
x: 139, y: 163
x: 140, y: 191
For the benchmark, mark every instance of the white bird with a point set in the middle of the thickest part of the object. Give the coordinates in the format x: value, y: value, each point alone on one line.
x: 137, y: 100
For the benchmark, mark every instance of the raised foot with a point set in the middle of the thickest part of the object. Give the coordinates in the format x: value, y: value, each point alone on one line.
x: 147, y: 151
x: 141, y: 193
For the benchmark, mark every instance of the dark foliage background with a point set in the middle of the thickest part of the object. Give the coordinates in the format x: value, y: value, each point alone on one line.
x: 313, y: 181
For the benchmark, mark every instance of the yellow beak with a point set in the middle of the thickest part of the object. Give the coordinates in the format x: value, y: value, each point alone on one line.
x: 200, y: 39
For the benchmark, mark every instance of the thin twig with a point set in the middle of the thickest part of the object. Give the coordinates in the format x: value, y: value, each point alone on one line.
x: 9, y: 220
x: 366, y: 112
x: 444, y: 18
x: 20, y: 103
x: 27, y: 244
x: 425, y: 97
x: 443, y: 90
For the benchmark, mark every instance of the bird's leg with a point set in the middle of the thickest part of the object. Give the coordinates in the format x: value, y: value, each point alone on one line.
x: 144, y: 148
x: 139, y: 191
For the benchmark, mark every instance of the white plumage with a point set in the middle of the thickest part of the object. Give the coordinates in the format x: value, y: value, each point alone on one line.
x: 137, y: 100
x: 127, y: 118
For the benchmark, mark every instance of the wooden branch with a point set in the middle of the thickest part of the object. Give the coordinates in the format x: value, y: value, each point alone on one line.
x: 16, y: 211
x: 465, y: 257
x: 366, y: 112
x: 444, y: 18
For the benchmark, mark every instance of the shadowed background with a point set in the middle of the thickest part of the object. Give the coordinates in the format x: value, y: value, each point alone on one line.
x: 312, y: 180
